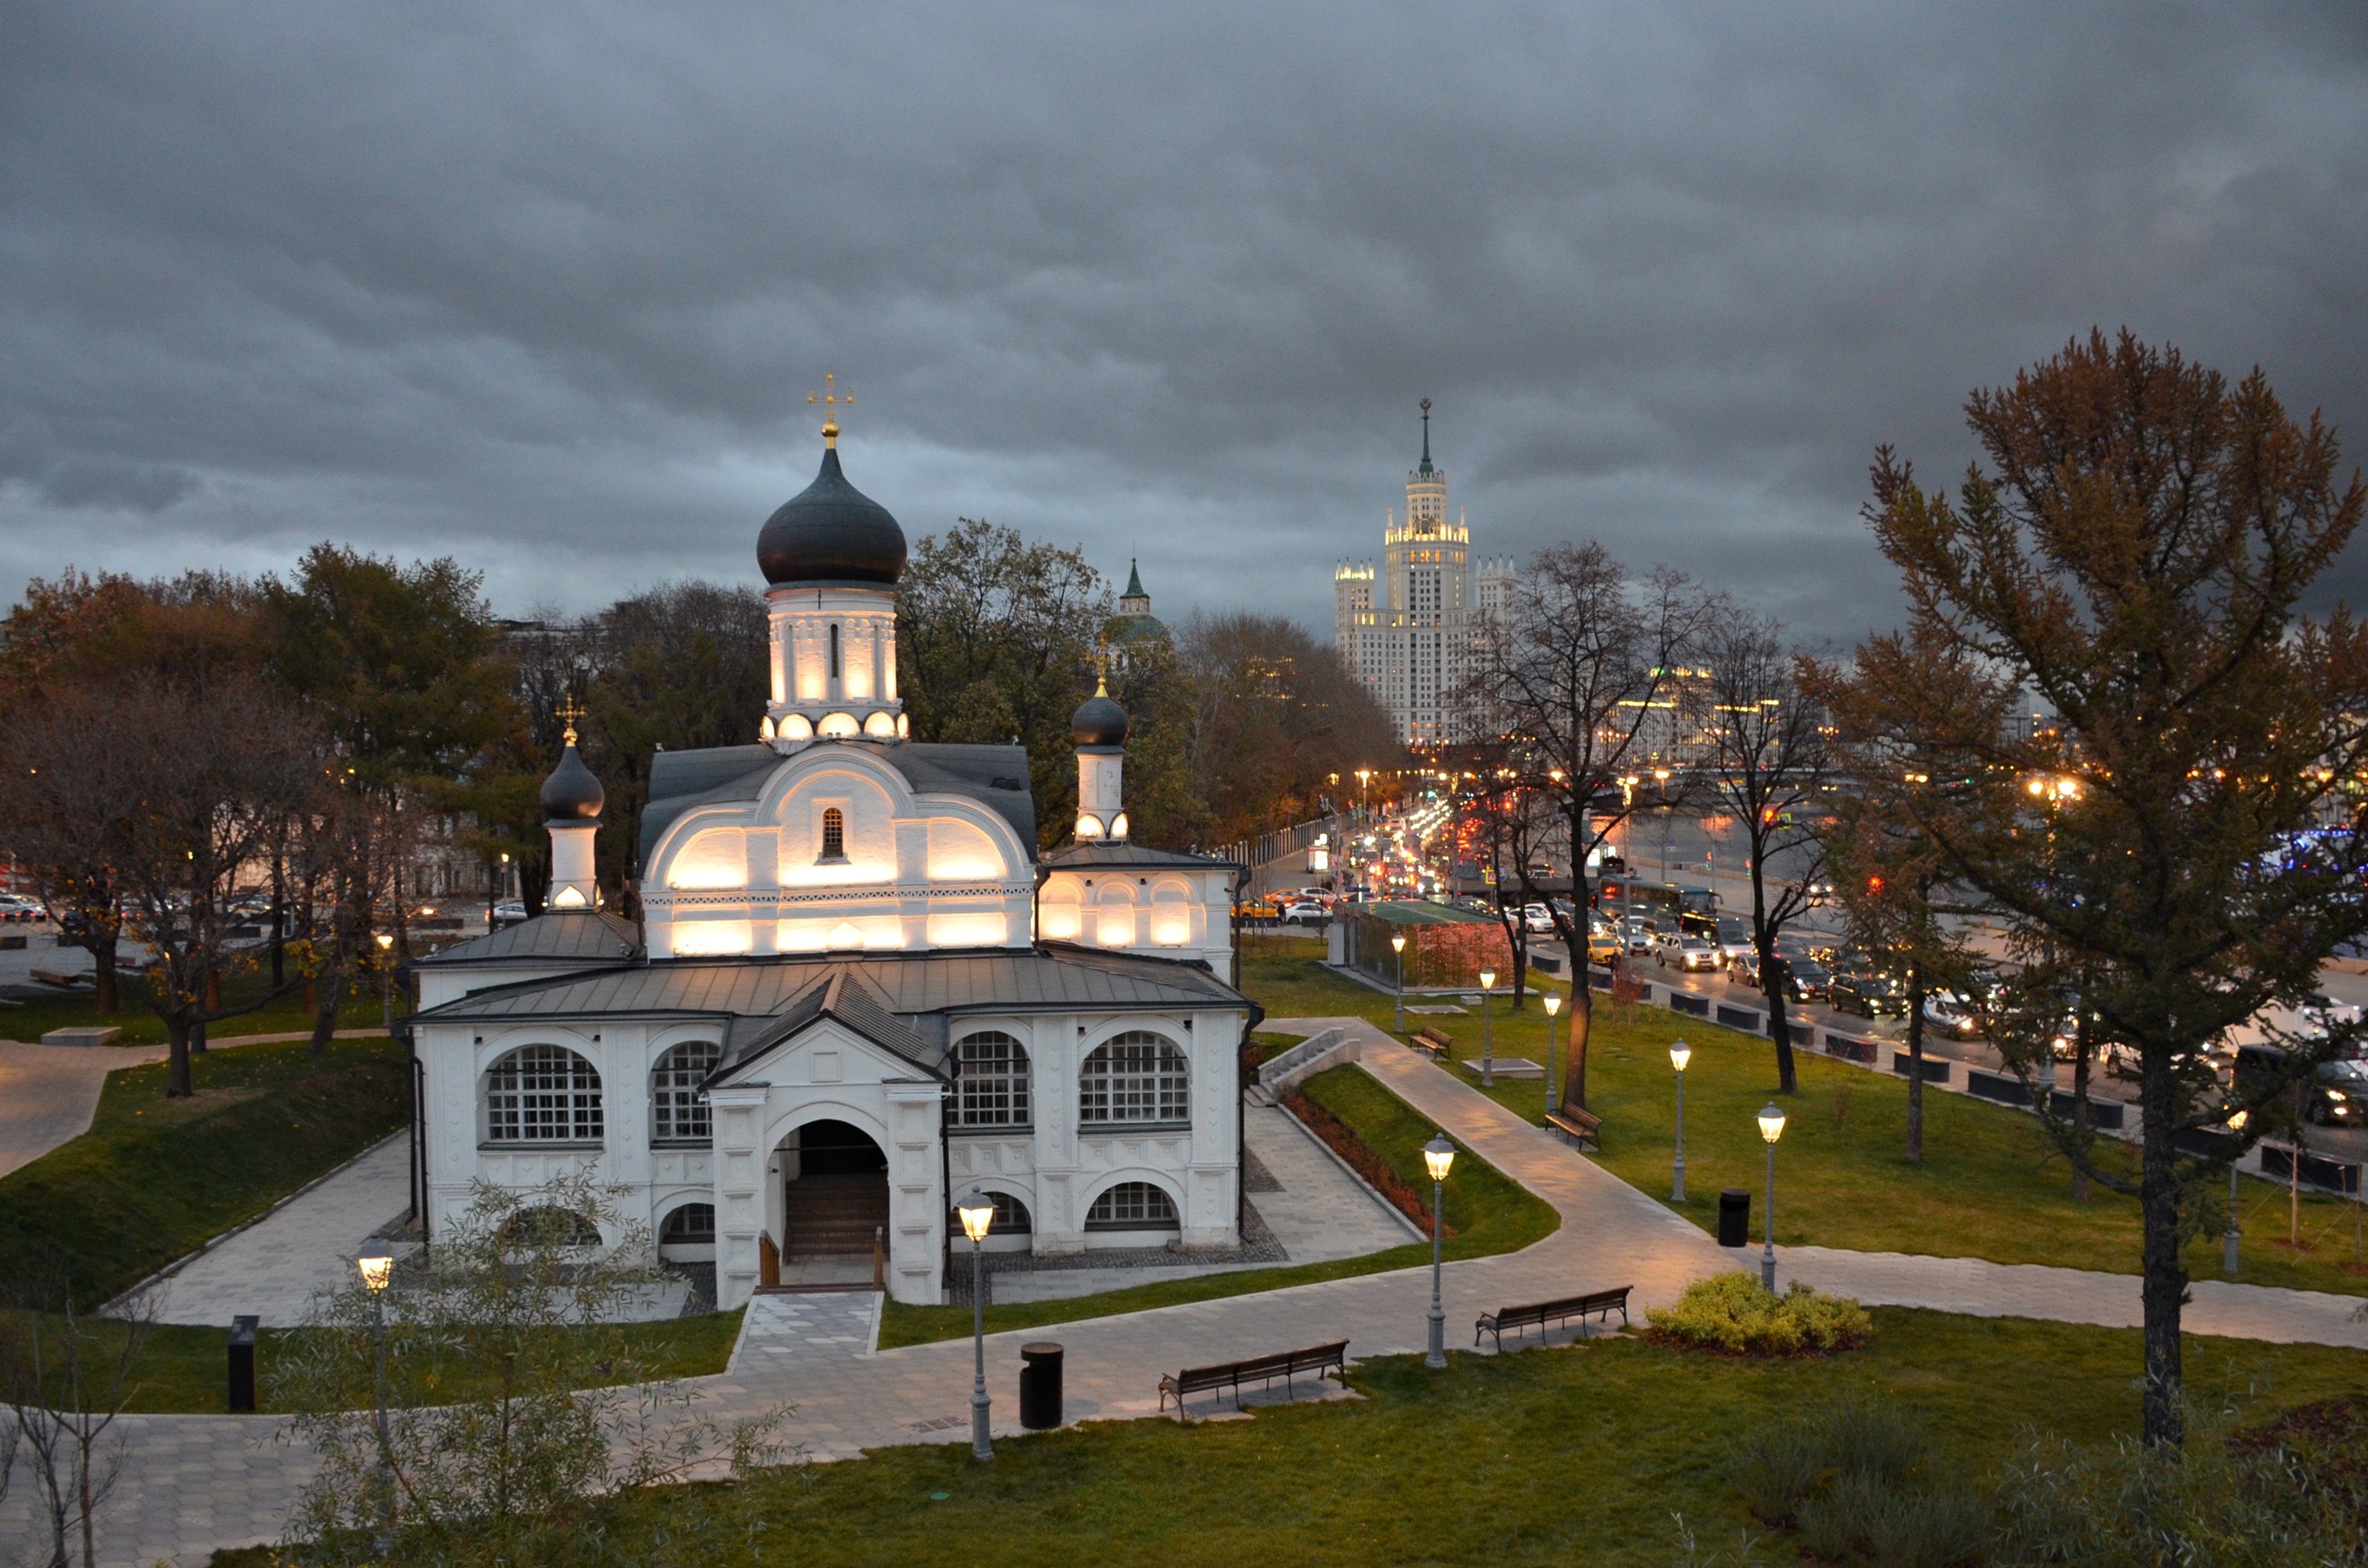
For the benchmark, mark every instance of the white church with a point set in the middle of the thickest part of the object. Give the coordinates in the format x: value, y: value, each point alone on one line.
x: 857, y: 990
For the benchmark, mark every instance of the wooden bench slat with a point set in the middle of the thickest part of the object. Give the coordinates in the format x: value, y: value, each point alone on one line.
x: 1284, y: 1364
x: 1537, y: 1314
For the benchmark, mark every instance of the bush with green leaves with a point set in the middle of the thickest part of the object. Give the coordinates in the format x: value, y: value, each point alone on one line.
x: 1736, y: 1315
x: 451, y: 1413
x: 1860, y: 1480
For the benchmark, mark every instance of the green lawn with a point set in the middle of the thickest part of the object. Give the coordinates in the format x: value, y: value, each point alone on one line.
x: 183, y: 1368
x: 155, y: 1179
x: 141, y: 1026
x: 1991, y: 1184
x: 1488, y: 1212
x: 1580, y: 1455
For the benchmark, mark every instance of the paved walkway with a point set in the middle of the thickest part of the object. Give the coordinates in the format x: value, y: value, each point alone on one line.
x: 195, y: 1482
x: 274, y: 1267
x: 48, y: 1093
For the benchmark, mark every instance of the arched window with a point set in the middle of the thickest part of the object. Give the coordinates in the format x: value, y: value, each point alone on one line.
x: 677, y: 1113
x: 548, y: 1225
x: 693, y: 1225
x: 1010, y: 1219
x: 993, y: 1081
x: 542, y: 1093
x: 1136, y: 1078
x: 834, y: 833
x: 1132, y: 1206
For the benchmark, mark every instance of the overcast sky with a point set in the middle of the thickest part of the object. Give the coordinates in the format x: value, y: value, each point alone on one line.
x: 544, y: 288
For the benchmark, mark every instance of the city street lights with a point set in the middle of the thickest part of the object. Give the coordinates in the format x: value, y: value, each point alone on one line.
x: 376, y: 1274
x: 977, y: 1214
x: 1397, y: 945
x: 1771, y: 1127
x: 1487, y: 1053
x: 1554, y: 1006
x: 1679, y: 1055
x: 1437, y: 1156
x: 2228, y: 1238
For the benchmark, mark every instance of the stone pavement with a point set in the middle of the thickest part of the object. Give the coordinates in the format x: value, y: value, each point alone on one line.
x: 195, y: 1482
x: 308, y: 1244
x: 48, y: 1093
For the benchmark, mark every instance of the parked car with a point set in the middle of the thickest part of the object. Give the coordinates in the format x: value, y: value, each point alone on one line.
x: 1681, y: 950
x: 1306, y: 913
x: 1870, y: 995
x: 17, y: 906
x: 509, y: 913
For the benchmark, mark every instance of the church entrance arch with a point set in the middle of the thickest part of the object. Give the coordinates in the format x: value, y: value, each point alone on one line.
x: 835, y: 1194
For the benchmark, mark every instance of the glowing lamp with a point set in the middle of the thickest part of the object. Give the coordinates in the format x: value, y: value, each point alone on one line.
x: 977, y: 1214
x: 1487, y: 979
x: 1437, y: 1156
x: 1772, y: 1123
x: 1089, y: 825
x: 376, y: 1271
x: 1554, y: 1003
x: 1680, y: 1053
x: 1397, y: 943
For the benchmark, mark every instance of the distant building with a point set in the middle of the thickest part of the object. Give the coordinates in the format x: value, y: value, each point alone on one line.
x: 1412, y: 644
x: 1134, y: 628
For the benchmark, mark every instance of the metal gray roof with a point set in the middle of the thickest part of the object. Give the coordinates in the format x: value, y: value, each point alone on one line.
x: 1054, y: 977
x: 583, y: 936
x: 1094, y: 856
x: 995, y: 777
x: 842, y: 995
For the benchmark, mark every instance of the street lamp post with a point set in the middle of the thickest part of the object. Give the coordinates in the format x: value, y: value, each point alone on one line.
x: 1554, y: 1006
x: 976, y: 1212
x: 1679, y: 1055
x: 2229, y: 1237
x: 1437, y: 1156
x: 376, y: 1274
x: 1487, y: 1051
x: 1771, y: 1127
x: 1397, y: 945
x: 385, y: 986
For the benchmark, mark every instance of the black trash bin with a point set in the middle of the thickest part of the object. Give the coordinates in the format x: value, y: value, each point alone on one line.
x: 242, y: 1361
x: 1040, y: 1386
x: 1735, y: 1217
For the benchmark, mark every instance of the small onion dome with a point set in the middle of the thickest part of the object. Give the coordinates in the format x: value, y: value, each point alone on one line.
x: 831, y: 532
x: 1101, y: 722
x: 570, y: 793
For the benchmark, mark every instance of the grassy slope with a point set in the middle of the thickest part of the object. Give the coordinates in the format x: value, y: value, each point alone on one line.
x: 1489, y: 1213
x: 1990, y: 1186
x: 182, y: 1368
x: 153, y: 1178
x: 1578, y: 1455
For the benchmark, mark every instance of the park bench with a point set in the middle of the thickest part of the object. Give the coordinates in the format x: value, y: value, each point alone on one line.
x: 1433, y: 1041
x: 1537, y: 1314
x: 1575, y: 1125
x: 1262, y: 1369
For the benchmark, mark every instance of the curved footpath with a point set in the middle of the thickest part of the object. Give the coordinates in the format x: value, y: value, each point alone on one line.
x: 191, y: 1483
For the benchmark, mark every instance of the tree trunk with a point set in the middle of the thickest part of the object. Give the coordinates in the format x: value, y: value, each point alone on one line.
x: 1915, y: 1066
x: 102, y: 958
x: 2164, y: 1286
x: 1582, y: 1017
x: 176, y: 1033
x: 2082, y: 1049
x: 278, y: 921
x: 1780, y: 1024
x: 214, y: 990
x: 324, y: 1021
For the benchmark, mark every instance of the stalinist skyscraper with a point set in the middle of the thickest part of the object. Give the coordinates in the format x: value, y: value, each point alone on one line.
x: 1413, y: 647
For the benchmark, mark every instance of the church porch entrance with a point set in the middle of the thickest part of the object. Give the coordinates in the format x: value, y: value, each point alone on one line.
x: 833, y: 1206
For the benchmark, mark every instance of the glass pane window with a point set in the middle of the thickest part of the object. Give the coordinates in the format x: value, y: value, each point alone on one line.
x: 693, y: 1225
x: 1138, y: 1076
x: 542, y: 1093
x: 993, y: 1081
x: 677, y: 1113
x: 1135, y: 1204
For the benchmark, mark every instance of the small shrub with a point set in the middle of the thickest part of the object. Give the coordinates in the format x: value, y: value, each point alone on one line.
x: 1874, y: 1439
x: 1775, y: 1467
x: 1734, y: 1315
x: 1936, y: 1524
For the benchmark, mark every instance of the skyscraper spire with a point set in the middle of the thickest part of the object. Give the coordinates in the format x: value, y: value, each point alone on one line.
x: 1426, y: 437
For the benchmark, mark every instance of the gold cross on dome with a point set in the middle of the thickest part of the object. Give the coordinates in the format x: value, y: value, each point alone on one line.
x: 831, y: 398
x: 569, y: 711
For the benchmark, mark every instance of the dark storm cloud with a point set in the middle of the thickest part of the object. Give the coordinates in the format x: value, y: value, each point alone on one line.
x: 544, y: 287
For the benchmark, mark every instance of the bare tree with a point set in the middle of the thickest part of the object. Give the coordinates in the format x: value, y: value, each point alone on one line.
x: 1575, y: 673
x: 69, y: 794
x: 1768, y: 765
x: 64, y: 1379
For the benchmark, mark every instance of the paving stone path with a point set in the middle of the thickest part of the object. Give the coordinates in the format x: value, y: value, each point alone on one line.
x: 194, y: 1483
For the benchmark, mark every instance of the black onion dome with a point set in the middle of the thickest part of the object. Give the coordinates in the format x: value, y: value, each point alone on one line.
x: 1101, y: 722
x: 831, y: 532
x: 572, y: 793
